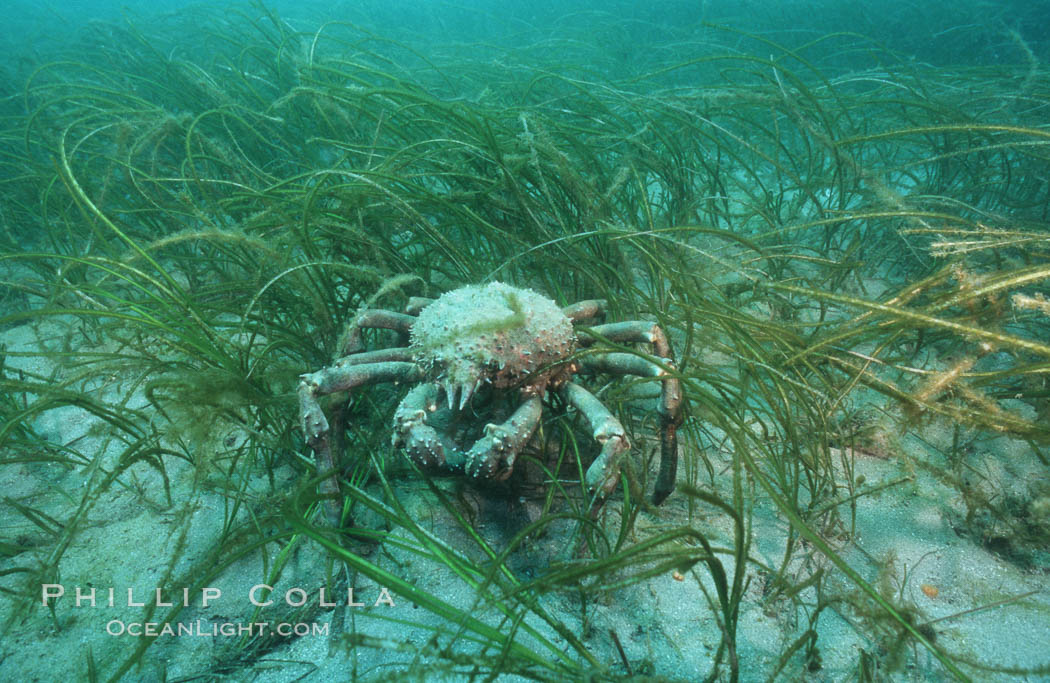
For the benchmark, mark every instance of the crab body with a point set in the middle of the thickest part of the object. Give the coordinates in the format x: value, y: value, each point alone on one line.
x: 514, y: 342
x: 494, y: 334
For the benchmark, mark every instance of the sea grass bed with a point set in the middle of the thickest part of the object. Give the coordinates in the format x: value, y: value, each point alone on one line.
x: 847, y: 246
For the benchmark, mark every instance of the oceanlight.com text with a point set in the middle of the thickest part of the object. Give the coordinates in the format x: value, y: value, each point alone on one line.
x: 206, y: 629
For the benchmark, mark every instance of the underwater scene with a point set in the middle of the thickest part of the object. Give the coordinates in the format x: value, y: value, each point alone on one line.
x: 418, y: 340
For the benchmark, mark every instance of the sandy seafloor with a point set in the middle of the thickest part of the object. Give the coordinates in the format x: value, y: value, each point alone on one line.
x: 664, y: 624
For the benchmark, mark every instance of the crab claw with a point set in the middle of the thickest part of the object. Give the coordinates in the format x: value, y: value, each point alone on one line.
x: 492, y: 456
x: 425, y: 445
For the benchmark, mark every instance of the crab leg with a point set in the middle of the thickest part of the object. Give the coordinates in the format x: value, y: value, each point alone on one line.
x: 425, y: 445
x: 374, y: 318
x: 585, y: 310
x: 670, y: 396
x: 339, y: 377
x: 416, y: 304
x: 604, y: 473
x: 633, y: 331
x: 399, y: 354
x: 492, y: 456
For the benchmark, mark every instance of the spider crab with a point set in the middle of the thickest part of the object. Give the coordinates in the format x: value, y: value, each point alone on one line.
x: 501, y: 339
